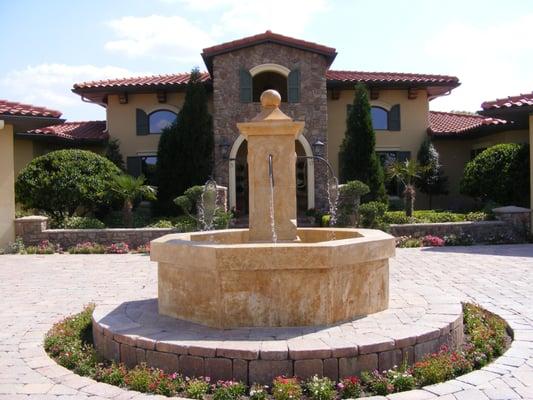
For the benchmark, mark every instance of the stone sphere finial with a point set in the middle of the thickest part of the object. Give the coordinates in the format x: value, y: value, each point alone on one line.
x: 270, y: 98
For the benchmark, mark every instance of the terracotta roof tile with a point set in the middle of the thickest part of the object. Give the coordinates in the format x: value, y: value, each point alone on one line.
x: 268, y: 36
x: 509, y: 102
x: 389, y: 77
x: 82, y: 130
x: 452, y: 124
x: 26, y: 110
x: 142, y: 81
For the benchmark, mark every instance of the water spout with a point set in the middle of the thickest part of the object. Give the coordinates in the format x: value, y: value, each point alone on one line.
x: 332, y: 188
x: 271, y: 181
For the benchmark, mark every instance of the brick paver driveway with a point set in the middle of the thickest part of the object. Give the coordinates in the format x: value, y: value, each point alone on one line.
x: 36, y: 291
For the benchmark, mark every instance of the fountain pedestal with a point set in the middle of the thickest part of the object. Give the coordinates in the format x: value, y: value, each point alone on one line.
x: 271, y: 133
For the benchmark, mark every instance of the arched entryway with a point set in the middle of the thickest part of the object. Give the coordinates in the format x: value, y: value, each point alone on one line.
x: 238, y: 176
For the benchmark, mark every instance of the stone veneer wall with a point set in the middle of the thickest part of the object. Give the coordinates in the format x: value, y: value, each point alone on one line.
x: 244, y: 361
x: 33, y: 230
x: 312, y: 108
x: 482, y: 232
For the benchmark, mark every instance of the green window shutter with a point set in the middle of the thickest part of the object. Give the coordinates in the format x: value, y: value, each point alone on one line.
x: 293, y: 82
x: 142, y: 122
x: 245, y: 79
x: 134, y: 166
x: 394, y: 118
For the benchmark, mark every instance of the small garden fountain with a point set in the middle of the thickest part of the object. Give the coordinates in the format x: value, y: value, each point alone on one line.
x: 273, y: 274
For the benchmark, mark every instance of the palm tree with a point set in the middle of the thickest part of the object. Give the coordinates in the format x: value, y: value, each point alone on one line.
x: 131, y: 189
x: 406, y: 172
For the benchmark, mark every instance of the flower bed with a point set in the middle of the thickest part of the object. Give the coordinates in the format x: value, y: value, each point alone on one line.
x: 69, y: 342
x: 46, y: 247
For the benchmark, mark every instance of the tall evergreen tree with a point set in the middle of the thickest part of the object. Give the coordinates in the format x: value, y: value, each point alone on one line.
x: 185, y: 152
x: 431, y: 181
x: 358, y: 159
x: 113, y: 154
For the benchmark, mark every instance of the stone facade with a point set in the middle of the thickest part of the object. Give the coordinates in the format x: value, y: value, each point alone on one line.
x: 312, y: 108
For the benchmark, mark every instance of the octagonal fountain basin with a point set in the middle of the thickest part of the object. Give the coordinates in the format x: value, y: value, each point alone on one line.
x: 220, y: 279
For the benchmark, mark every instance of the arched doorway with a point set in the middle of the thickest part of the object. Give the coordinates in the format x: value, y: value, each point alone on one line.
x: 238, y: 176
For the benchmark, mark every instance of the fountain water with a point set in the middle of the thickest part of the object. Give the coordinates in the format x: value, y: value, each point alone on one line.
x: 207, y: 207
x: 273, y: 274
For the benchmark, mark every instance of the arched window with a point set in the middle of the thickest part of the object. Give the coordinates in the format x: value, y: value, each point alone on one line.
x: 160, y: 119
x: 269, y: 80
x: 380, y: 118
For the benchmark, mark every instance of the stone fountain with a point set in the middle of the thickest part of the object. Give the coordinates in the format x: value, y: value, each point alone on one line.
x: 275, y: 299
x: 274, y: 273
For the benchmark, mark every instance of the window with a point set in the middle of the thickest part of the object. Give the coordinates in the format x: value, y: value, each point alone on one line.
x: 160, y: 119
x: 380, y: 118
x: 269, y: 80
x: 251, y: 87
x: 143, y: 165
x: 393, y: 187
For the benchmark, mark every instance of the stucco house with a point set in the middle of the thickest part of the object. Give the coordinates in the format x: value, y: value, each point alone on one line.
x: 137, y: 109
x: 237, y: 72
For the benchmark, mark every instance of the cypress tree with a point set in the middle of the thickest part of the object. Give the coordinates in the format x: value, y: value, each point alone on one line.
x: 431, y: 181
x: 185, y: 151
x: 358, y: 159
x: 113, y: 154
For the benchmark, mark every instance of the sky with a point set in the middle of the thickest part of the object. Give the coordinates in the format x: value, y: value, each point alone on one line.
x: 47, y: 46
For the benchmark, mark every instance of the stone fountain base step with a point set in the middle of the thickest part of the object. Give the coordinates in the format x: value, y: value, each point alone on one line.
x: 134, y: 332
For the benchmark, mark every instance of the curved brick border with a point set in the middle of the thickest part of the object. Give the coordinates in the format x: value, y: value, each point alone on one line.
x: 134, y: 332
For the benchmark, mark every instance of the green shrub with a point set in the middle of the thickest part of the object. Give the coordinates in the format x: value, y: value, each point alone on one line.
x: 64, y: 181
x: 499, y: 174
x: 83, y: 223
x: 396, y: 217
x: 44, y: 247
x: 320, y: 388
x: 162, y: 223
x: 434, y: 368
x: 68, y: 342
x: 349, y: 387
x: 371, y: 214
x: 258, y: 392
x: 286, y: 388
x: 115, y: 374
x: 197, y: 388
x: 475, y: 216
x: 376, y: 383
x: 87, y: 248
x: 229, y: 390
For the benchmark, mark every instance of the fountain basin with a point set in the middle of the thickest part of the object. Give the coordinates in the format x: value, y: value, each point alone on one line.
x: 222, y: 280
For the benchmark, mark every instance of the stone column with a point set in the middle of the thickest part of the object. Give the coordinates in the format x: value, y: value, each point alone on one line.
x: 272, y: 133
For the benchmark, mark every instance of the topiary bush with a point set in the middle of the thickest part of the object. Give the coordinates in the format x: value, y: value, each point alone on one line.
x: 63, y: 181
x: 371, y: 214
x: 499, y: 174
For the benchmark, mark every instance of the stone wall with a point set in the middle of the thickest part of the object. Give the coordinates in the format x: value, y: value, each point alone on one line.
x: 33, y: 230
x: 312, y: 108
x: 482, y: 232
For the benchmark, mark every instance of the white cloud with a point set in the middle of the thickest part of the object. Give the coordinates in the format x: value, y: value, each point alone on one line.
x: 491, y: 61
x: 50, y: 85
x: 171, y: 37
x: 179, y: 38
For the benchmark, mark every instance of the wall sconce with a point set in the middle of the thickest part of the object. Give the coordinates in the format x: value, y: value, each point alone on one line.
x: 224, y: 146
x: 318, y: 147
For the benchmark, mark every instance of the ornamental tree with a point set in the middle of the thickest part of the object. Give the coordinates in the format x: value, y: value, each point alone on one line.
x: 113, y: 154
x: 185, y: 152
x: 357, y: 156
x: 65, y: 181
x: 499, y: 174
x: 407, y: 173
x: 431, y: 181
